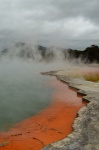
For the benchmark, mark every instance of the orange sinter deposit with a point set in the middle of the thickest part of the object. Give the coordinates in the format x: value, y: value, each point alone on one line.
x: 52, y: 124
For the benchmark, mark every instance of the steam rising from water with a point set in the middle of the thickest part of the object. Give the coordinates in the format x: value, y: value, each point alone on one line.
x: 23, y: 91
x: 33, y: 53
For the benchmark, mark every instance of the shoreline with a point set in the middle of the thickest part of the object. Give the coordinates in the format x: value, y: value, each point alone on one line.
x: 46, y: 127
x: 86, y: 126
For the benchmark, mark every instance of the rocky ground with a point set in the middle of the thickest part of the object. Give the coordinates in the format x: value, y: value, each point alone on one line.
x: 86, y: 126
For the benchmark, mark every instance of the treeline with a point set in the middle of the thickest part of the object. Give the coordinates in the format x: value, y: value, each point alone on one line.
x: 41, y: 53
x: 90, y: 54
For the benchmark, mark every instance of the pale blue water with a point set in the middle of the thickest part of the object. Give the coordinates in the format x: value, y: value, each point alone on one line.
x: 23, y: 91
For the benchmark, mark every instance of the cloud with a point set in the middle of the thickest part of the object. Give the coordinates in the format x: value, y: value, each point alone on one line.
x: 65, y: 23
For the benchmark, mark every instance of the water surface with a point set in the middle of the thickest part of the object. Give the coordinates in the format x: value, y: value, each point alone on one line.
x: 23, y: 91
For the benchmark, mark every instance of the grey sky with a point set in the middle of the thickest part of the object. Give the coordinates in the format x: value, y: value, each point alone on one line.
x: 64, y: 23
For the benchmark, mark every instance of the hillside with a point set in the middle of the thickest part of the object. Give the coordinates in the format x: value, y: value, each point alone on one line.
x: 41, y: 53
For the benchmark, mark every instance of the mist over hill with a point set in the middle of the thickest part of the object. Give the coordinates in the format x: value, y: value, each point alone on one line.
x: 89, y: 55
x: 40, y: 53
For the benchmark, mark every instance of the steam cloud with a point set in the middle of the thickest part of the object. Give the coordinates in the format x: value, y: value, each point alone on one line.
x: 21, y: 82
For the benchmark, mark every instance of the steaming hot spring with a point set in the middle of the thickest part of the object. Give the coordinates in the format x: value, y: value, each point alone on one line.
x: 35, y: 109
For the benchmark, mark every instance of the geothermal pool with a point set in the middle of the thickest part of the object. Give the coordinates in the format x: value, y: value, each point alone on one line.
x: 23, y: 91
x: 35, y: 110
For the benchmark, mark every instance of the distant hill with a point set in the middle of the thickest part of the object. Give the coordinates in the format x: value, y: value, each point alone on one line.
x: 89, y: 55
x: 41, y: 53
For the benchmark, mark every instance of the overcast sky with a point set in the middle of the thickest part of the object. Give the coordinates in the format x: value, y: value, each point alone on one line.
x: 64, y: 23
